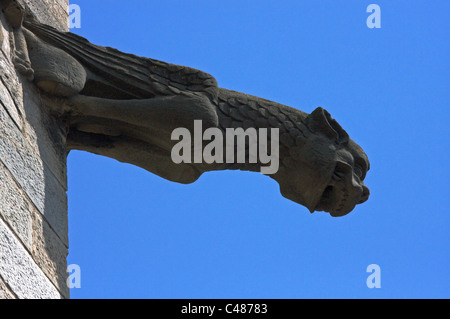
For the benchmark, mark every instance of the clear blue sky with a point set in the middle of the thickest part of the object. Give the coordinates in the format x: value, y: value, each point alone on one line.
x: 231, y: 234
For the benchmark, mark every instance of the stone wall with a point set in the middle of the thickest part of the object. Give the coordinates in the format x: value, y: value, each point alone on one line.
x: 33, y: 179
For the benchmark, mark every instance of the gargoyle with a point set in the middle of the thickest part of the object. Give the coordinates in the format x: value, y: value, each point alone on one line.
x: 126, y: 107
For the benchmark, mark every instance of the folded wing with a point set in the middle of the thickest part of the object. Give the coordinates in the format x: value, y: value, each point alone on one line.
x: 117, y: 75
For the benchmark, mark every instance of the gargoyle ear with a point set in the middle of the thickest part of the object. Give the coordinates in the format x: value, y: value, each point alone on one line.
x: 320, y: 121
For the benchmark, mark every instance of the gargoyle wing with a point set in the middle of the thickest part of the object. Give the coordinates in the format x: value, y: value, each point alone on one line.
x: 116, y: 75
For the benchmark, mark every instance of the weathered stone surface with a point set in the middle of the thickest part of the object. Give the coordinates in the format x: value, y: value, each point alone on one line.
x: 20, y: 272
x: 4, y: 38
x: 33, y: 176
x: 24, y: 219
x: 51, y: 12
x: 5, y: 292
x: 15, y: 207
x: 8, y: 103
x: 50, y: 253
x: 36, y: 154
x: 33, y: 179
x: 13, y: 85
x: 45, y: 134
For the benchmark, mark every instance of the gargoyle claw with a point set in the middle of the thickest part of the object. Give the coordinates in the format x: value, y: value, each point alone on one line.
x: 24, y: 67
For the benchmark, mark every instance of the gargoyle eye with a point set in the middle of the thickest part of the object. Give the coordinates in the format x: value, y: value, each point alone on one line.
x: 361, y: 165
x: 358, y: 171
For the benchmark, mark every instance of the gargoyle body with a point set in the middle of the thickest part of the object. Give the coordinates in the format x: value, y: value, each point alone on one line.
x: 126, y: 107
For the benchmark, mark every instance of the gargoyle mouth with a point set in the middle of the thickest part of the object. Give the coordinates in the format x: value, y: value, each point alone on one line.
x: 336, y: 199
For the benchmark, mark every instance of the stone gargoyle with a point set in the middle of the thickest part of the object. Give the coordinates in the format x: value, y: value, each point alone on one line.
x: 126, y: 107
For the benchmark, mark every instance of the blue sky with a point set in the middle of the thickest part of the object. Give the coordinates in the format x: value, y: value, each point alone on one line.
x: 231, y: 234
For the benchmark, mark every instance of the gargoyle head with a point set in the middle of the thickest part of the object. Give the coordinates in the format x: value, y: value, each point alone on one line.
x: 329, y: 169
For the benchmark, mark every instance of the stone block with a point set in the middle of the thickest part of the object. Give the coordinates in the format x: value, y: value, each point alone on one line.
x: 50, y: 253
x: 33, y: 175
x: 5, y: 292
x: 15, y: 208
x: 50, y: 12
x: 20, y: 272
